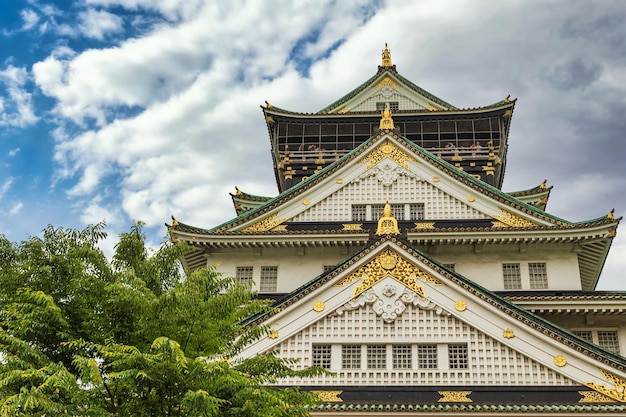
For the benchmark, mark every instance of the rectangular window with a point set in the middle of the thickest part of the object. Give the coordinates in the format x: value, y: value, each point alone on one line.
x: 321, y: 356
x: 269, y: 279
x: 538, y: 275
x: 397, y: 209
x: 586, y: 335
x: 359, y: 211
x: 416, y: 211
x: 427, y: 356
x: 376, y: 356
x: 512, y: 277
x: 393, y: 106
x: 351, y: 356
x: 608, y: 340
x: 402, y: 357
x: 244, y: 274
x: 457, y: 355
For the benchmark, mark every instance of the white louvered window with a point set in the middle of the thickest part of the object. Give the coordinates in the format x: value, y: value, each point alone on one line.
x: 427, y: 356
x: 359, y: 212
x: 244, y: 274
x: 376, y: 356
x: 538, y: 275
x: 269, y: 279
x: 351, y: 356
x: 608, y: 340
x: 457, y: 355
x: 416, y: 211
x: 512, y: 277
x: 321, y: 356
x: 402, y: 356
x: 586, y: 335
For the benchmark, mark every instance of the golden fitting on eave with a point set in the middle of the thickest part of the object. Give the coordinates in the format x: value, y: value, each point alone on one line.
x: 386, y: 58
x: 386, y: 122
x: 387, y: 225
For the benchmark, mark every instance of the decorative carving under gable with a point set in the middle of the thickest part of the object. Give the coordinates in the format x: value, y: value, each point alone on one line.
x: 387, y: 173
x: 389, y: 299
x: 386, y: 264
x: 387, y: 81
x: 618, y: 392
x: 329, y: 396
x: 387, y: 150
x: 509, y: 219
x: 454, y: 397
x: 265, y: 224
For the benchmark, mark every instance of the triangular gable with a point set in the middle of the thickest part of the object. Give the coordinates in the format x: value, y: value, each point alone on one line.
x: 390, y: 294
x: 382, y: 160
x: 387, y: 86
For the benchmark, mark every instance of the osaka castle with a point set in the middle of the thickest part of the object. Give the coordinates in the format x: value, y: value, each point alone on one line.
x: 395, y: 260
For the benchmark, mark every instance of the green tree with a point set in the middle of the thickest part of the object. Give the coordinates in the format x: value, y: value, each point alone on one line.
x: 137, y: 336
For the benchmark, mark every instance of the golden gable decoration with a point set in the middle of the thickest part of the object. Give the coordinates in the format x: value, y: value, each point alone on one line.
x: 618, y: 392
x: 265, y: 224
x: 387, y: 150
x: 508, y: 219
x: 387, y: 81
x: 387, y: 224
x: 387, y: 264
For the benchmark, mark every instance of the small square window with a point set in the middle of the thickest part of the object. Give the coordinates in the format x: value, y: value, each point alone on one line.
x: 538, y: 275
x: 416, y: 211
x: 377, y: 356
x: 351, y: 356
x: 586, y: 335
x: 321, y: 356
x: 608, y: 340
x: 427, y: 356
x: 512, y: 277
x: 359, y: 212
x: 402, y: 357
x: 457, y: 355
x: 244, y: 274
x: 269, y: 279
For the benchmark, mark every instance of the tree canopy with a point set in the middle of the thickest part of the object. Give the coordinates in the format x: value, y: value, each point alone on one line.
x: 135, y: 336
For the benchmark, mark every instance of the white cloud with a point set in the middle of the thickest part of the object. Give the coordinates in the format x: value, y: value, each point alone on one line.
x: 30, y: 19
x: 99, y: 23
x: 13, y: 152
x: 16, y: 108
x: 6, y: 185
x: 15, y: 209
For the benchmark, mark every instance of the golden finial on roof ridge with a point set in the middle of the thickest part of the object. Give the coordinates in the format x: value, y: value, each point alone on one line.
x: 611, y: 215
x: 174, y: 221
x: 267, y: 104
x: 386, y: 58
x: 387, y: 224
x: 544, y: 184
x: 386, y: 122
x: 237, y: 191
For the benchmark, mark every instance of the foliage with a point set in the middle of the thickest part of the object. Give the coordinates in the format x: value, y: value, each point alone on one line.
x: 137, y: 336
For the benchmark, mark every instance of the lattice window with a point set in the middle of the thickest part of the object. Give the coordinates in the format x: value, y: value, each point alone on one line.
x: 269, y: 279
x: 244, y: 274
x: 376, y: 356
x: 393, y: 105
x: 397, y: 209
x: 427, y: 356
x: 321, y: 355
x: 608, y: 340
x: 359, y: 212
x: 457, y: 355
x: 512, y: 277
x: 584, y: 334
x: 402, y: 356
x: 538, y: 275
x: 416, y: 211
x: 351, y: 356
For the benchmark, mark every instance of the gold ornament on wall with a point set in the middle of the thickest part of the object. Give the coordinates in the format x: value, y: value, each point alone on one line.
x: 329, y: 396
x: 318, y: 306
x: 618, y: 392
x: 383, y: 266
x: 387, y: 150
x: 460, y: 305
x: 508, y: 333
x: 265, y: 224
x: 509, y: 219
x: 559, y: 360
x: 273, y: 334
x: 454, y: 397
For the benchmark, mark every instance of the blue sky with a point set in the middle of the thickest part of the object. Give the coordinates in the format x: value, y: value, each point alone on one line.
x: 124, y: 110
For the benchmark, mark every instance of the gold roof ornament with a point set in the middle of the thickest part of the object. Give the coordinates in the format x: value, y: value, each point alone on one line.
x: 386, y: 122
x: 387, y: 224
x: 544, y: 184
x: 611, y: 215
x: 386, y: 58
